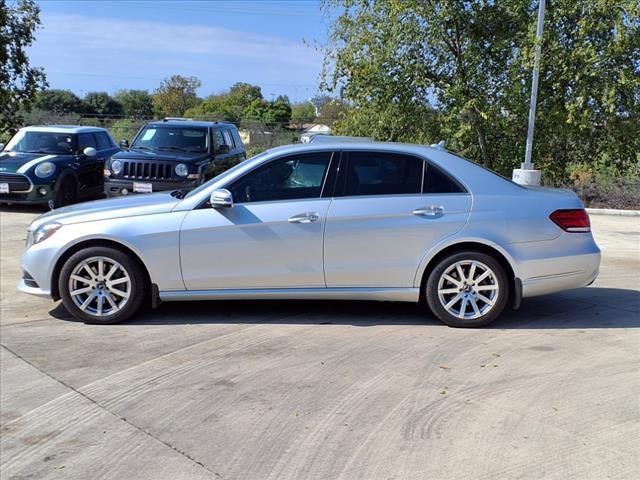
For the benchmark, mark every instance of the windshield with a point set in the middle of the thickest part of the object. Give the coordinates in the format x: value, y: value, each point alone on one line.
x: 179, y: 139
x: 226, y: 173
x: 41, y: 142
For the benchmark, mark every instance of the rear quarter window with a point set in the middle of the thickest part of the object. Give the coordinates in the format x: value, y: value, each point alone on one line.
x: 438, y: 181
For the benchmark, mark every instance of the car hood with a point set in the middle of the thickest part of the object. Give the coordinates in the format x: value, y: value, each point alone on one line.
x: 145, y: 155
x: 131, y: 206
x: 16, y: 162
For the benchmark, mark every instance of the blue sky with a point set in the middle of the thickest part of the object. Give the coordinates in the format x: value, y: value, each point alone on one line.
x: 108, y: 45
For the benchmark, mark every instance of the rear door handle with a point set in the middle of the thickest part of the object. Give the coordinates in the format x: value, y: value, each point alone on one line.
x: 432, y: 211
x: 306, y: 217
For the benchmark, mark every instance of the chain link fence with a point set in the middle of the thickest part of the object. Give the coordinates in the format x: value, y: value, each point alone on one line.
x: 256, y: 135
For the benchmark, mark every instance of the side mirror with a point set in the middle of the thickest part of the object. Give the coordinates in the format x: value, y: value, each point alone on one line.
x: 90, y: 152
x: 222, y: 149
x: 221, y: 198
x: 124, y: 143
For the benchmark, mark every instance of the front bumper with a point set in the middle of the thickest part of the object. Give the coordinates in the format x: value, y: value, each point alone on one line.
x: 33, y: 196
x: 113, y: 186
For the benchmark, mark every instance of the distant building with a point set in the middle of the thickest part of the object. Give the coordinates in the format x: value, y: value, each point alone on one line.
x: 311, y: 132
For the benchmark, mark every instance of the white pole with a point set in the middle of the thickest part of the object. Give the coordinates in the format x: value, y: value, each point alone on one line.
x: 527, y: 165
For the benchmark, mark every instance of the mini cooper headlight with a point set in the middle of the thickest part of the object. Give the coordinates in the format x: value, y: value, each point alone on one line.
x: 41, y: 233
x: 116, y: 167
x: 45, y: 169
x: 181, y: 170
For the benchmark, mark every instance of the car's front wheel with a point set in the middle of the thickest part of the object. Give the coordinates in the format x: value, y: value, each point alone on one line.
x: 467, y: 289
x: 102, y: 285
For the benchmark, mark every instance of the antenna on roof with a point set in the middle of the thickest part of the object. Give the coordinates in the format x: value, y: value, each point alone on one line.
x: 439, y: 145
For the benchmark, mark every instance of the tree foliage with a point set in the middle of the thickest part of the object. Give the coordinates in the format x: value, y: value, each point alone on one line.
x: 303, y: 112
x: 135, y: 103
x: 175, y: 95
x: 228, y: 105
x: 19, y: 82
x: 415, y: 70
x: 59, y: 101
x: 101, y: 103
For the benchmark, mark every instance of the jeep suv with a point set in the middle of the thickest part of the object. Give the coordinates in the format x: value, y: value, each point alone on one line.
x: 173, y: 154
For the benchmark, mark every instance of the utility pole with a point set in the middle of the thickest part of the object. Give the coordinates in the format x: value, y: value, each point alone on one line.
x: 526, y: 175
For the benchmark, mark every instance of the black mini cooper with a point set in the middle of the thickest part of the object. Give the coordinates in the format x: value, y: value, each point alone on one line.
x: 58, y: 163
x: 173, y: 154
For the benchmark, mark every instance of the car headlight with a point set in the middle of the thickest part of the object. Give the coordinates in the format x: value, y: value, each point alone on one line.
x: 181, y: 170
x: 116, y: 167
x: 41, y: 233
x: 45, y: 169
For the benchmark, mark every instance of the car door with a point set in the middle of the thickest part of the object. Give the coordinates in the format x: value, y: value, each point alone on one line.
x: 270, y: 238
x: 90, y: 176
x: 381, y: 224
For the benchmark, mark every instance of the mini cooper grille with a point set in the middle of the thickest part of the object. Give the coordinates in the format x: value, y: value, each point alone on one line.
x: 146, y: 170
x: 17, y: 183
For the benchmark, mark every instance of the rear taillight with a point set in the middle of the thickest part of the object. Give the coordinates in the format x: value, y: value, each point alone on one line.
x: 576, y: 220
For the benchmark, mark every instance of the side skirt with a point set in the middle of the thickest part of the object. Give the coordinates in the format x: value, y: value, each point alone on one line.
x: 336, y: 293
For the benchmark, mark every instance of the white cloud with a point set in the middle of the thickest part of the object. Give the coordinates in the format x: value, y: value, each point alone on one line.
x: 79, y: 33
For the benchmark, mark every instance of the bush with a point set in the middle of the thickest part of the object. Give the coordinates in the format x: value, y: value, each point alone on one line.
x: 605, y: 187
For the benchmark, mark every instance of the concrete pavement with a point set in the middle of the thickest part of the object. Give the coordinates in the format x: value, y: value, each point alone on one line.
x: 325, y: 390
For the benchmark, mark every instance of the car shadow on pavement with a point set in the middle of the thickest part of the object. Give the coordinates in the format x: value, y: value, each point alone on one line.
x: 578, y: 309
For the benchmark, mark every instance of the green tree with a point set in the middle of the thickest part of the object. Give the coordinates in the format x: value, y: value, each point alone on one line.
x: 303, y: 112
x: 467, y: 66
x: 19, y: 82
x: 228, y: 105
x: 135, y: 103
x: 175, y: 95
x: 59, y: 101
x: 275, y: 112
x: 101, y: 103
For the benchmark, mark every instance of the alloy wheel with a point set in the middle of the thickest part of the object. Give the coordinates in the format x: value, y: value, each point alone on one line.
x: 468, y: 289
x: 99, y: 286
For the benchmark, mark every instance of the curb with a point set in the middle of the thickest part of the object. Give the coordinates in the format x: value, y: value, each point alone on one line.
x: 611, y: 211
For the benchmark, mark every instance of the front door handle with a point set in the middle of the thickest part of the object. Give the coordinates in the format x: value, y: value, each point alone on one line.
x: 432, y: 211
x: 306, y: 217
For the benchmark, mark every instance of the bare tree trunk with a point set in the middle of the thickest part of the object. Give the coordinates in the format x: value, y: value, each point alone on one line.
x: 487, y: 159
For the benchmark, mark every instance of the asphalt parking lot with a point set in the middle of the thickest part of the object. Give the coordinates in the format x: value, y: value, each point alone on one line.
x: 325, y: 390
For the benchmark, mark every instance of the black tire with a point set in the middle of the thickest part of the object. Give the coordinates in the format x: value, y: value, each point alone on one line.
x: 499, y: 301
x: 137, y: 286
x: 67, y: 192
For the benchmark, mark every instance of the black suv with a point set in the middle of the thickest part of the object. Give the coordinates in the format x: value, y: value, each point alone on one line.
x: 173, y: 154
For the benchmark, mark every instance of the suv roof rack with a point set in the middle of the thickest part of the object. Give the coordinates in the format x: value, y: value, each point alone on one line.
x: 180, y: 119
x: 321, y: 138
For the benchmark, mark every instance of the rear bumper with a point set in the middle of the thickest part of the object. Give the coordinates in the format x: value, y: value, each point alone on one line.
x: 570, y: 261
x: 114, y: 187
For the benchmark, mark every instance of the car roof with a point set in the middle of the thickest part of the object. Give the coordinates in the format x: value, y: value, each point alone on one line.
x: 190, y: 123
x: 62, y: 129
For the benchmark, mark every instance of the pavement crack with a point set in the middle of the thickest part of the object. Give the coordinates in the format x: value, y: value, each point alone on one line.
x: 112, y: 413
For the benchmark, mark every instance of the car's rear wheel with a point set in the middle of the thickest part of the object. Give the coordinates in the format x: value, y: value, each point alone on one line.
x: 67, y: 192
x: 102, y: 285
x: 467, y: 289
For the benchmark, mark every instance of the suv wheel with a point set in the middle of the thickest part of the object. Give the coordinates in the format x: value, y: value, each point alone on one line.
x: 101, y: 285
x: 467, y: 289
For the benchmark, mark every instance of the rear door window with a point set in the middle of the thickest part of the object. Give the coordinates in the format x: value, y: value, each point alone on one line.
x: 382, y: 173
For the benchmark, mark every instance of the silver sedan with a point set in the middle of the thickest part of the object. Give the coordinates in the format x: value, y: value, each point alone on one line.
x: 358, y: 221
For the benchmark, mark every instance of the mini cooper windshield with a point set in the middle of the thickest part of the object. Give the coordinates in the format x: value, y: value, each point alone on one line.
x: 41, y: 142
x: 172, y: 139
